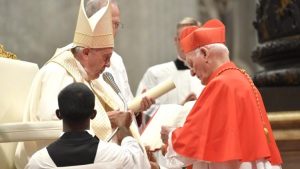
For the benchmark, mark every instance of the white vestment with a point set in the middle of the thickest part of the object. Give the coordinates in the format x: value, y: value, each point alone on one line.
x: 109, y: 155
x: 173, y: 160
x: 184, y: 82
x: 61, y: 70
x: 118, y: 70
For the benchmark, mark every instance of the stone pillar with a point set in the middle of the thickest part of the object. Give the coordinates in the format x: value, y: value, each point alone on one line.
x: 278, y: 28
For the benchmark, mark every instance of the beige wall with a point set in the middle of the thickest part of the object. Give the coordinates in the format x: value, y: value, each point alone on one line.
x: 33, y: 29
x: 148, y: 34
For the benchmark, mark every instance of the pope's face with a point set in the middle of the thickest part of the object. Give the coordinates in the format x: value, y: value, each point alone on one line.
x: 96, y: 61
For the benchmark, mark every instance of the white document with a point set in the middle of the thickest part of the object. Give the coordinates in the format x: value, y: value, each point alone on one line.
x: 167, y: 115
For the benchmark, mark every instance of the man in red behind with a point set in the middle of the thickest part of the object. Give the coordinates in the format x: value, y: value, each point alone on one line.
x: 228, y: 127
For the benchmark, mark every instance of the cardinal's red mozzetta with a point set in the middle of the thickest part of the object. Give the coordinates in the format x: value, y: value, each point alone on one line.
x: 229, y: 120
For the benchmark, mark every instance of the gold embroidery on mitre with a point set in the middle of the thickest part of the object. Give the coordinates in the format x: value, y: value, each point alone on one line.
x: 96, y: 31
x: 6, y: 54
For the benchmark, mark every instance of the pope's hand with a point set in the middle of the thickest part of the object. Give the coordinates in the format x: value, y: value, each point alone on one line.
x: 119, y: 119
x: 146, y: 103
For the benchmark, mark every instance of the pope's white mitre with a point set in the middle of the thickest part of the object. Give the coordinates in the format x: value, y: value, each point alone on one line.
x: 96, y: 31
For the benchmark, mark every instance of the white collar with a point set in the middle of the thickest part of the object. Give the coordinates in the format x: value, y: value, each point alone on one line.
x: 89, y: 131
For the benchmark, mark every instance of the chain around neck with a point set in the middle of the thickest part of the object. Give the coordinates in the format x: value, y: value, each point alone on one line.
x: 255, y: 93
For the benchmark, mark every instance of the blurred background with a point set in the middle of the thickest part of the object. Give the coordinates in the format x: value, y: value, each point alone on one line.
x: 33, y: 29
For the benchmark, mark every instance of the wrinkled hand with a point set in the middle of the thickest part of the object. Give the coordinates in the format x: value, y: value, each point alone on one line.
x: 190, y: 97
x: 164, y: 149
x: 119, y: 119
x: 146, y: 103
x: 154, y: 165
x: 150, y: 154
x: 164, y: 133
x: 122, y: 133
x: 151, y: 158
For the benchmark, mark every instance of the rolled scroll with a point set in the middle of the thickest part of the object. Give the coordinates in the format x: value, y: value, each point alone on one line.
x: 155, y: 92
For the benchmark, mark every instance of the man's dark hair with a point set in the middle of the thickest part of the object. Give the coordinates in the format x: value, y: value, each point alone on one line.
x: 76, y: 102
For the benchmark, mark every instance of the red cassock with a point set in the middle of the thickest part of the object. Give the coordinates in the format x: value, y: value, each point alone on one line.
x: 226, y: 123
